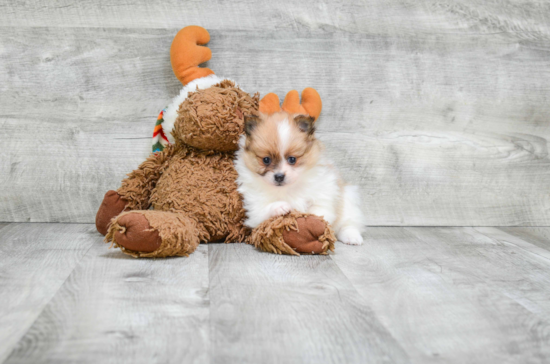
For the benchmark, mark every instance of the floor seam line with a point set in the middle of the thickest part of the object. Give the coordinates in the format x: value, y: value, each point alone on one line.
x: 47, y: 304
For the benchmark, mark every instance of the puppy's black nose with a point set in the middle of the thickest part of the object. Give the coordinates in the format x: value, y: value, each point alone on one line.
x: 279, y: 177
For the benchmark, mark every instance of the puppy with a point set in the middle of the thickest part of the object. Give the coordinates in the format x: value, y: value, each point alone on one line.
x: 282, y: 167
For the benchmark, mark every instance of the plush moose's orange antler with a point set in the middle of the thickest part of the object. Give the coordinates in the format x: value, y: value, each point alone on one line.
x: 269, y: 104
x: 311, y: 103
x: 186, y: 53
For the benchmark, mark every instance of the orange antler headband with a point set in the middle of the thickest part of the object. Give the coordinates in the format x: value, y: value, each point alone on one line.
x: 311, y: 103
x: 186, y: 53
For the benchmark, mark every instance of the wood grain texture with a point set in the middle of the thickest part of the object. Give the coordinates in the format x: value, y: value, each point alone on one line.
x: 438, y: 110
x: 117, y: 309
x: 35, y: 261
x: 418, y: 295
x: 539, y: 236
x: 266, y: 308
x: 527, y: 19
x: 455, y: 295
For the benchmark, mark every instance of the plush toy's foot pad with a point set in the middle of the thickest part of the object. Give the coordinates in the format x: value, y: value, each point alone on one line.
x: 293, y: 234
x: 134, y: 232
x: 154, y: 234
x: 111, y: 206
x: 305, y: 239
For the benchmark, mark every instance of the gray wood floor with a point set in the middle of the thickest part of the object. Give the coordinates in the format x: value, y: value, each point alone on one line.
x: 409, y: 295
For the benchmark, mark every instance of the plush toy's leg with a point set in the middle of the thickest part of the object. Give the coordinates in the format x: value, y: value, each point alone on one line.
x: 147, y: 233
x: 140, y: 183
x: 135, y: 191
x: 111, y: 206
x: 294, y: 233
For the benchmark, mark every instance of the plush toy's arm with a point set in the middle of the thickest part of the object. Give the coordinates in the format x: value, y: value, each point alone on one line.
x: 294, y: 233
x: 137, y: 187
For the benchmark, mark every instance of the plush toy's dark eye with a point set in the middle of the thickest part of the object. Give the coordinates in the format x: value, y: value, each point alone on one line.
x: 291, y: 160
x: 267, y: 160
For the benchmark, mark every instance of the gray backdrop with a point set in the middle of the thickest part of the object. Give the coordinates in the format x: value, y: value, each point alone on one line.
x: 439, y: 110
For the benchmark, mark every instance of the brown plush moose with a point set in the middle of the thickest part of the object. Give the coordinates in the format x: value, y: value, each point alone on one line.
x: 191, y: 184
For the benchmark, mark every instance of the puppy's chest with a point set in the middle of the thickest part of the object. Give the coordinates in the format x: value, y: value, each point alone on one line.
x: 298, y: 201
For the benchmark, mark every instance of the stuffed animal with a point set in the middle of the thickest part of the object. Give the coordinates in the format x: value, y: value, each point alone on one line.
x: 190, y: 181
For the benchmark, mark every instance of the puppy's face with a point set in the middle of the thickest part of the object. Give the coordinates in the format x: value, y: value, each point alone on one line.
x: 280, y: 147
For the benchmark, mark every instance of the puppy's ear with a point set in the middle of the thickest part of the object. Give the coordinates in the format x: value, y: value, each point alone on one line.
x: 250, y: 123
x: 305, y: 123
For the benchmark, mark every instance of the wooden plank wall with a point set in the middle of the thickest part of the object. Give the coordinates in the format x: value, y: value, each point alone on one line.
x: 438, y: 109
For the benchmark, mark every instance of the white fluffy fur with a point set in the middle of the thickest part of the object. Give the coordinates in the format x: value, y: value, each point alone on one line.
x: 171, y: 112
x: 317, y: 190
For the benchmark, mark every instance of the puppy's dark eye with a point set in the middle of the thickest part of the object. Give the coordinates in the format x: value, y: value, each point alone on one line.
x: 267, y: 160
x: 291, y: 160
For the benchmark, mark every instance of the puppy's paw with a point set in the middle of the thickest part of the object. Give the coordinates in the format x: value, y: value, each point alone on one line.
x: 350, y: 236
x: 279, y: 208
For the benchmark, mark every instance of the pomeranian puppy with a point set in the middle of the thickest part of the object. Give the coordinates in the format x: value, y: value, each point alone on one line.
x: 282, y: 167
